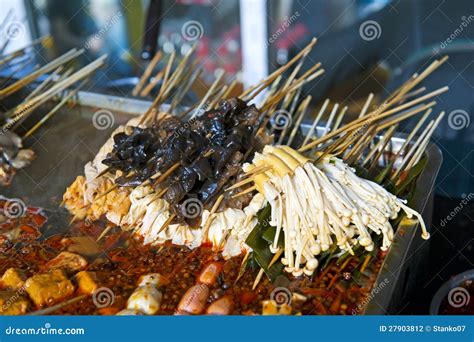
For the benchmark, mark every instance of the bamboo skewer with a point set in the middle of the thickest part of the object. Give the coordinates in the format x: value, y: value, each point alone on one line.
x: 315, y: 122
x: 412, y: 150
x: 417, y: 156
x: 55, y: 109
x: 413, y: 132
x: 21, y: 112
x: 43, y: 84
x: 302, y: 109
x: 331, y: 118
x: 375, y: 117
x: 153, y: 82
x: 340, y: 117
x: 386, y: 139
x: 256, y: 89
x: 366, y: 105
x: 68, y: 56
x: 209, y: 92
x: 147, y: 73
x: 57, y: 307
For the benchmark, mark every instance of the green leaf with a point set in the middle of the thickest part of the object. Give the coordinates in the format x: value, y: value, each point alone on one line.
x: 261, y: 251
x: 411, y: 177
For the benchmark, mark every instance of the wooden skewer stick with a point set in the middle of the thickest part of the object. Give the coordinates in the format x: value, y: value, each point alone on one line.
x: 146, y: 74
x: 24, y: 109
x: 214, y: 85
x: 315, y: 122
x: 374, y: 116
x: 166, y: 223
x: 184, y: 90
x: 12, y: 55
x: 71, y: 54
x: 413, y: 93
x: 238, y: 184
x: 45, y: 82
x: 331, y: 118
x: 228, y: 92
x: 255, y: 90
x: 168, y: 172
x: 413, y: 132
x: 292, y: 116
x: 246, y: 191
x: 340, y: 117
x: 412, y: 150
x: 55, y: 109
x: 57, y: 307
x: 302, y: 110
x: 366, y: 105
x: 419, y: 78
x: 212, y: 214
x: 149, y: 87
x: 258, y: 278
x: 386, y: 139
x: 421, y: 149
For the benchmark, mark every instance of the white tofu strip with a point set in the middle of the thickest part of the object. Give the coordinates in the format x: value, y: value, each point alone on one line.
x: 227, y: 230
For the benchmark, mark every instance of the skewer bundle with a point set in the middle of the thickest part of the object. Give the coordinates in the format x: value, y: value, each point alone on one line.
x: 316, y: 198
x: 56, y: 83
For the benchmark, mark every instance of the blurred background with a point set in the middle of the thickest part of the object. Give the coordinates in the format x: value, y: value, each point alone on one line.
x: 364, y: 45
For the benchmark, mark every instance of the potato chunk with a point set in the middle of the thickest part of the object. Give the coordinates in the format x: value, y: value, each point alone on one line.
x: 86, y: 282
x: 14, y: 278
x: 67, y: 261
x: 48, y: 288
x: 13, y: 303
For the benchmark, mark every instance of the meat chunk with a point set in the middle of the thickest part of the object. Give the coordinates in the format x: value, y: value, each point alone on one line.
x: 222, y: 306
x: 13, y: 303
x: 48, y: 288
x: 67, y: 261
x: 14, y: 278
x: 194, y: 300
x: 86, y: 281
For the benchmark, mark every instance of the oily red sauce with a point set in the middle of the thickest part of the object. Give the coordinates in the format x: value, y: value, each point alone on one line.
x: 123, y: 259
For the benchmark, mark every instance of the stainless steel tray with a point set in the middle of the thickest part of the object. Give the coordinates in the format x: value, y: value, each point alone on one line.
x: 69, y: 140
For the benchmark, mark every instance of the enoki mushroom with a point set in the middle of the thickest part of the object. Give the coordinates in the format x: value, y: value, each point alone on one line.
x: 316, y: 205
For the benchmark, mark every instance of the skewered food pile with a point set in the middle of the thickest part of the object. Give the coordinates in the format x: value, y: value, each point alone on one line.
x: 187, y: 182
x: 200, y: 204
